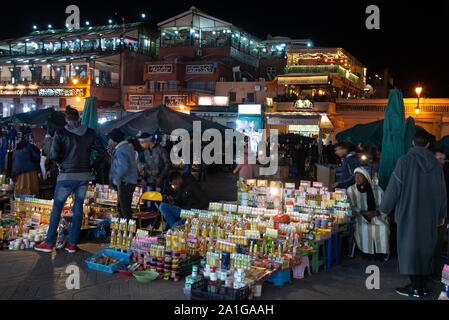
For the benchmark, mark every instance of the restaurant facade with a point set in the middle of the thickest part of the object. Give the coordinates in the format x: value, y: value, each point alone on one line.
x: 55, y: 68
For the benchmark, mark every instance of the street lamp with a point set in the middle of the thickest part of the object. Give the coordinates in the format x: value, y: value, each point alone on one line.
x: 418, y: 91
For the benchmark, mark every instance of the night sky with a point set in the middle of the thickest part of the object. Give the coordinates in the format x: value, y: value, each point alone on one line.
x: 411, y: 41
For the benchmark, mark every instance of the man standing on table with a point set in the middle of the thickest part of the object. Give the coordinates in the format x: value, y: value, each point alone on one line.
x: 71, y: 149
x: 123, y: 174
x: 417, y: 193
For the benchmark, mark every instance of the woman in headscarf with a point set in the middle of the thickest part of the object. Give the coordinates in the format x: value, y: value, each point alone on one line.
x: 372, y: 231
x: 25, y: 168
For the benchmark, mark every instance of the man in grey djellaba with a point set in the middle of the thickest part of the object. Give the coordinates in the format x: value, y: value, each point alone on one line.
x: 417, y: 194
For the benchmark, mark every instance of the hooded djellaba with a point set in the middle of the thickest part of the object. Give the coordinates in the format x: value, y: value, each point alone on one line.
x: 372, y: 231
x: 417, y: 193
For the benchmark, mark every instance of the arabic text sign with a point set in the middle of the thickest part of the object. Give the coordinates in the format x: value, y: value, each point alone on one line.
x: 141, y: 101
x: 160, y: 68
x: 199, y: 68
x: 175, y: 100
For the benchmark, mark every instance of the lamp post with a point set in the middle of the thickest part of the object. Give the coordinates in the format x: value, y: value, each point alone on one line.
x: 418, y: 91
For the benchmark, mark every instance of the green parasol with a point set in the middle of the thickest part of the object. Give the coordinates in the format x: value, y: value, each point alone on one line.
x: 393, y: 145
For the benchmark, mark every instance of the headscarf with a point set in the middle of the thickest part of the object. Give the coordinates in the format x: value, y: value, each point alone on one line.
x: 366, y: 189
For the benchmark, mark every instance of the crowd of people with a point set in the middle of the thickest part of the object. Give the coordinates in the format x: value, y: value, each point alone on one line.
x: 137, y: 160
x: 408, y: 219
x: 413, y: 208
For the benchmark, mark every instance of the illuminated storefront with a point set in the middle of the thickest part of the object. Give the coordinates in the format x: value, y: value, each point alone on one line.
x: 249, y: 122
x: 303, y: 117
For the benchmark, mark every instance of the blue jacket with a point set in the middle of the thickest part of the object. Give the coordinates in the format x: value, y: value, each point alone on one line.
x: 123, y: 167
x: 345, y: 173
x: 12, y: 133
x: 3, y: 151
x: 24, y: 160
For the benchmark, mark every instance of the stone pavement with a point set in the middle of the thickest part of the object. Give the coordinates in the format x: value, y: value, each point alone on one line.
x: 34, y: 275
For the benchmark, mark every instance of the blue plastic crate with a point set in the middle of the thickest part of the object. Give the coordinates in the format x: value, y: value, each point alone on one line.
x: 279, y: 278
x: 124, y: 260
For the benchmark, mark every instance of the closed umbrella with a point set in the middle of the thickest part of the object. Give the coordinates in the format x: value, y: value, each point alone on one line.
x: 410, y: 131
x: 393, y: 145
x: 90, y: 113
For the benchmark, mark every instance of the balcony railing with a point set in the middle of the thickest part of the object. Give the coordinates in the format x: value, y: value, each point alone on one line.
x: 47, y: 81
x: 180, y: 88
x: 322, y: 69
x: 65, y: 51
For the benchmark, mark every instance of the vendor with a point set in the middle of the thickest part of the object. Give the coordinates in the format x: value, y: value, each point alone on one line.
x: 372, y: 231
x: 188, y: 196
x: 344, y: 174
x: 123, y: 173
x: 156, y: 162
x: 25, y: 168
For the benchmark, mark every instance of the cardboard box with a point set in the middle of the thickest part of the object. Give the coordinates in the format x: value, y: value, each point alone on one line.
x: 325, y: 175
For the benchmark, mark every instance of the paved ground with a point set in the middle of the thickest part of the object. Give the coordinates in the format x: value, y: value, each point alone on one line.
x: 33, y: 275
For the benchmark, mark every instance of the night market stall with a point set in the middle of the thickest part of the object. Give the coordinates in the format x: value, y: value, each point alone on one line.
x: 273, y: 232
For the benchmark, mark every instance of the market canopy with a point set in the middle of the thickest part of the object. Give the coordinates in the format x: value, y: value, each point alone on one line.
x: 369, y: 134
x: 442, y: 144
x: 158, y: 118
x: 48, y: 118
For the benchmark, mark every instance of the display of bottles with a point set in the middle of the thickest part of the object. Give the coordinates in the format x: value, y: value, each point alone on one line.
x: 240, y: 261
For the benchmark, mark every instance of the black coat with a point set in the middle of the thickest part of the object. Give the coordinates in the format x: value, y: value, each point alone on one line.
x: 73, y: 152
x: 190, y: 195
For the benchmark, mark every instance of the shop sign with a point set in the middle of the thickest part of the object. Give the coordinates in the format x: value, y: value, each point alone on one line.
x: 140, y: 101
x: 18, y: 92
x: 213, y: 101
x: 250, y: 109
x: 61, y: 92
x: 293, y: 121
x: 199, y: 68
x: 160, y: 68
x: 175, y: 100
x: 303, y: 104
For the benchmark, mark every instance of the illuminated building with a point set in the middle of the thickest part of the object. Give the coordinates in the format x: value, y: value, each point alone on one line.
x: 195, y: 52
x: 55, y: 68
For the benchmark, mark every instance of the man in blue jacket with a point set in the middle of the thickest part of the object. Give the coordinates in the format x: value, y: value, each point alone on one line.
x: 344, y: 174
x: 123, y: 173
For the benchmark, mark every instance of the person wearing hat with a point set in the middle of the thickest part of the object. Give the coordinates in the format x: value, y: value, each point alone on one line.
x: 157, y: 161
x: 123, y: 173
x: 372, y: 231
x: 72, y: 148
